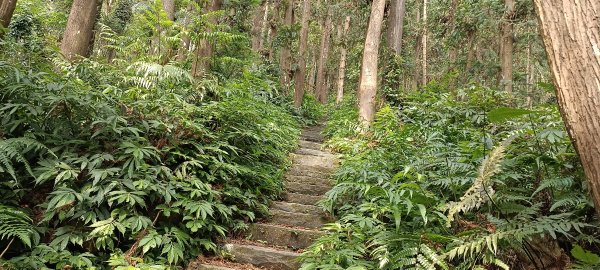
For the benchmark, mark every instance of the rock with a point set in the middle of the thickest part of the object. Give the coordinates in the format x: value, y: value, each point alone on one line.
x: 311, y: 221
x: 310, y: 145
x: 314, y: 161
x: 303, y: 188
x: 308, y: 170
x: 283, y: 236
x: 311, y: 180
x: 296, y: 208
x: 263, y: 257
x: 314, y: 152
x: 209, y: 267
x: 301, y: 198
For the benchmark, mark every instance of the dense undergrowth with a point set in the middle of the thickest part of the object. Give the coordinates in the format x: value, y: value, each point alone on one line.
x: 445, y: 182
x: 103, y: 167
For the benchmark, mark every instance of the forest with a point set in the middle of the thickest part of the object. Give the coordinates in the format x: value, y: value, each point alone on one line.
x: 299, y: 134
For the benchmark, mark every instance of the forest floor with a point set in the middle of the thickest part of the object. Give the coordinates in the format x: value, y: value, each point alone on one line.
x: 294, y: 222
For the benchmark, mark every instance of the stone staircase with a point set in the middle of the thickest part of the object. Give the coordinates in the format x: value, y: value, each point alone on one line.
x: 294, y: 222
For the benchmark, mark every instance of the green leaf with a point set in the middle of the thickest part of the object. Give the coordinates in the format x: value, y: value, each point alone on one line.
x: 503, y: 114
x: 585, y: 256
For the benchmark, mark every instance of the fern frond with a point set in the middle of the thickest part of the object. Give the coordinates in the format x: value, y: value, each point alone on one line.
x: 16, y: 223
x: 13, y: 149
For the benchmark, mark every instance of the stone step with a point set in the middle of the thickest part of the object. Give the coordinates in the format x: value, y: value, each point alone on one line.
x: 276, y: 235
x: 310, y: 221
x: 304, y: 188
x: 310, y: 145
x: 311, y: 180
x: 209, y: 267
x: 301, y: 198
x: 297, y: 208
x: 315, y: 161
x: 263, y: 257
x: 314, y: 152
x: 313, y: 171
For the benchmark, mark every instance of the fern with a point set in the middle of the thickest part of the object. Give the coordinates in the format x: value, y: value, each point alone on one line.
x: 479, y: 193
x: 16, y: 223
x: 13, y: 149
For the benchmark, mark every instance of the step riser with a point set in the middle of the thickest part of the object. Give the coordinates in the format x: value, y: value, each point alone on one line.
x: 310, y: 145
x: 297, y: 219
x: 311, y: 171
x: 282, y: 236
x: 301, y: 198
x: 313, y: 152
x: 309, y: 180
x: 302, y: 188
x: 263, y: 257
x: 313, y: 161
x: 296, y: 208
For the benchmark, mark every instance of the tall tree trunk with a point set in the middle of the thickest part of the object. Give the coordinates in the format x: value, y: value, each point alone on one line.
x: 343, y: 56
x: 424, y: 45
x: 416, y: 78
x: 185, y: 40
x: 301, y: 74
x: 506, y: 52
x: 572, y: 39
x: 256, y: 30
x: 273, y: 23
x: 320, y: 86
x: 204, y: 50
x: 286, y: 55
x: 7, y: 8
x: 396, y: 27
x: 264, y: 28
x: 79, y: 30
x: 169, y: 7
x: 367, y: 88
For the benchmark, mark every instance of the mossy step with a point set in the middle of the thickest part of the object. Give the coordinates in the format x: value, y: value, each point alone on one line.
x: 311, y: 180
x: 209, y: 267
x: 297, y: 208
x: 310, y: 145
x: 301, y: 198
x: 277, y: 235
x: 263, y: 257
x: 305, y: 188
x: 309, y: 221
x: 314, y: 161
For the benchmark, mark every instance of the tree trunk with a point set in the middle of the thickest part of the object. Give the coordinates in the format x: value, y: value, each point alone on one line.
x: 416, y: 78
x: 286, y: 55
x: 506, y: 52
x: 169, y: 6
x: 204, y: 49
x: 7, y: 8
x: 572, y: 39
x: 343, y: 56
x: 264, y: 28
x: 79, y: 30
x: 367, y: 88
x: 320, y: 86
x: 301, y: 74
x: 424, y: 45
x: 256, y: 26
x: 185, y: 40
x: 396, y: 27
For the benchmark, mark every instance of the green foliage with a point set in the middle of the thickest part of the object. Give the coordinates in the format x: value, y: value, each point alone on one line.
x: 15, y: 223
x: 403, y: 182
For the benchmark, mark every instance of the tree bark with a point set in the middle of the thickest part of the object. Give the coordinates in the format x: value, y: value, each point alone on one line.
x: 264, y: 28
x: 342, y: 67
x: 79, y: 30
x: 204, y: 50
x: 416, y: 78
x: 286, y: 55
x: 321, y: 86
x: 506, y: 52
x: 169, y: 7
x: 396, y: 27
x: 185, y: 40
x: 7, y: 8
x: 424, y: 45
x: 256, y: 30
x: 571, y: 34
x: 301, y: 74
x: 367, y: 88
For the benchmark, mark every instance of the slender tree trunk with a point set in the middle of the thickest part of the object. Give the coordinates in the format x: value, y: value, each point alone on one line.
x: 301, y: 74
x: 416, y: 78
x: 320, y: 86
x: 367, y: 88
x: 79, y: 31
x: 396, y: 26
x: 7, y: 8
x: 506, y: 53
x: 169, y: 6
x: 264, y: 28
x: 343, y: 56
x: 312, y: 77
x: 572, y: 38
x: 424, y: 46
x: 204, y: 49
x: 256, y: 25
x: 185, y: 40
x: 286, y: 55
